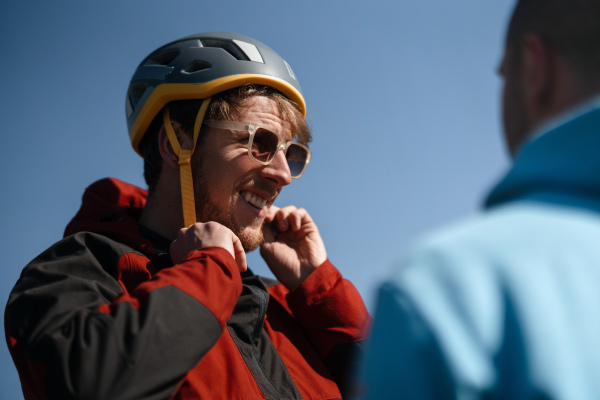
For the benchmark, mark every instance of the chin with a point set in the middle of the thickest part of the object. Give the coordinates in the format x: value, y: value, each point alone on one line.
x: 250, y: 235
x: 250, y: 238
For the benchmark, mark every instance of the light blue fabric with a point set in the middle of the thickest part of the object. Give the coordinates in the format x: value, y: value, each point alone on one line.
x: 506, y: 305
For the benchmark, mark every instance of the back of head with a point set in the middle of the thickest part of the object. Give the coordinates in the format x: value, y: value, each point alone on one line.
x: 569, y: 27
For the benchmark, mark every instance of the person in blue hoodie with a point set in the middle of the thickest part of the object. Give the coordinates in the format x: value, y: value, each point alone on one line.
x: 506, y: 305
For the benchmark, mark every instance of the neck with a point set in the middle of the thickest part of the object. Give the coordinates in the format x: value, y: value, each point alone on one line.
x: 566, y: 92
x: 585, y: 105
x: 162, y: 215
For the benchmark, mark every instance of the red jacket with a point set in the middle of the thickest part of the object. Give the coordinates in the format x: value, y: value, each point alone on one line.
x: 103, y: 314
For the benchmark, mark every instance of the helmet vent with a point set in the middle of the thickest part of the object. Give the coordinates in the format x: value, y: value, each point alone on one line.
x: 229, y: 47
x: 162, y: 58
x: 135, y: 92
x: 196, y: 66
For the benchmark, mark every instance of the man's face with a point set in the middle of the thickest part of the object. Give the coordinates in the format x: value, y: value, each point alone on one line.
x: 230, y: 187
x: 515, y: 116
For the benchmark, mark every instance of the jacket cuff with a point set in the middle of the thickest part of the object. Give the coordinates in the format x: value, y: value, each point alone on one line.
x: 316, y: 286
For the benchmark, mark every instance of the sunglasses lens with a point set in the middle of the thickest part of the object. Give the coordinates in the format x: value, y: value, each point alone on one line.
x: 296, y: 158
x: 264, y: 145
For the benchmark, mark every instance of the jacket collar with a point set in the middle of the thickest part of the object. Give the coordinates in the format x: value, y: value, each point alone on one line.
x: 560, y: 164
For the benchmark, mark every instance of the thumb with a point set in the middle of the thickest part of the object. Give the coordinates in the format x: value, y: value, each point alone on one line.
x: 269, y: 232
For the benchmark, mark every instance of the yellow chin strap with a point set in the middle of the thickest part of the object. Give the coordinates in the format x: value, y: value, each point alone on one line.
x: 185, y: 157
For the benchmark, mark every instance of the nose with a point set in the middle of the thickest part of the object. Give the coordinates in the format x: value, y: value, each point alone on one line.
x: 278, y: 170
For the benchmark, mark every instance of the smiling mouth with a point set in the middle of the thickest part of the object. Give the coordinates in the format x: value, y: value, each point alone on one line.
x: 254, y: 200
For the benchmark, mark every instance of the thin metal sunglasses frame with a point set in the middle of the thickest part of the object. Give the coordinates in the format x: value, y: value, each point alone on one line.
x: 251, y: 128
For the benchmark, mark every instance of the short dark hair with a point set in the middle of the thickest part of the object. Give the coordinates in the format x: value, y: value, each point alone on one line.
x: 570, y: 27
x: 223, y: 106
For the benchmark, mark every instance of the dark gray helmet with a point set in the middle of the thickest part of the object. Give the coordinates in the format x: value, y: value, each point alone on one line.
x: 199, y: 66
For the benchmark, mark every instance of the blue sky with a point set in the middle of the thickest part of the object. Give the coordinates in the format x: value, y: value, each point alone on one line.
x: 403, y: 98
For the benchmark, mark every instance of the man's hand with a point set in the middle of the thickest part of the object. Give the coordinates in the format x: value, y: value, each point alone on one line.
x: 293, y: 247
x: 210, y: 234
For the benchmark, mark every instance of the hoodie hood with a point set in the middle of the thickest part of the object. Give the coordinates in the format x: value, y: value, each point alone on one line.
x: 112, y: 208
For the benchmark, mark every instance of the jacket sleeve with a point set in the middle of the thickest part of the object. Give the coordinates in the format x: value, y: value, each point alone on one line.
x: 75, y: 333
x: 334, y: 318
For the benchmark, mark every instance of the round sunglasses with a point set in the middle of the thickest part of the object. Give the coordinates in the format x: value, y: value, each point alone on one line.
x: 263, y: 145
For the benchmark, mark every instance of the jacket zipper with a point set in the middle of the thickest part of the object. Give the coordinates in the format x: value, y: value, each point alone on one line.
x: 255, y: 334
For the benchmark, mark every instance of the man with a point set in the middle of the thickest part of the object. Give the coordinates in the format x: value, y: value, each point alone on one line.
x: 505, y: 306
x: 148, y: 296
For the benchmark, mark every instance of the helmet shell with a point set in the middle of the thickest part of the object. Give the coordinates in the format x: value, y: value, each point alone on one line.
x: 199, y: 66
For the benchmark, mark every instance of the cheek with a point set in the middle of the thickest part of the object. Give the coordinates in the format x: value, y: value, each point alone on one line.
x: 224, y: 176
x: 223, y: 169
x: 504, y: 105
x: 514, y: 117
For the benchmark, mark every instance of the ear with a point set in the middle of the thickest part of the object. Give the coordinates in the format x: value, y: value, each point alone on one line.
x: 164, y: 146
x: 538, y: 73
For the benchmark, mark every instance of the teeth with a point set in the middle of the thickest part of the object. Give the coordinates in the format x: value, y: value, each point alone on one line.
x: 256, y: 201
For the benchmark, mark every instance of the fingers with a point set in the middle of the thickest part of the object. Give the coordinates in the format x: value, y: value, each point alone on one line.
x: 271, y: 212
x: 239, y: 254
x: 209, y: 234
x: 181, y: 233
x: 292, y: 218
x: 296, y: 248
